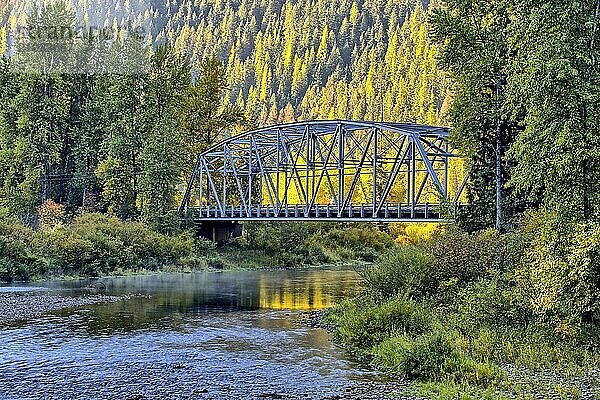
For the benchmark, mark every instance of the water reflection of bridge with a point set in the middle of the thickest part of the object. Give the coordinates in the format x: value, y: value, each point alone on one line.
x: 294, y: 295
x: 325, y: 171
x: 167, y: 296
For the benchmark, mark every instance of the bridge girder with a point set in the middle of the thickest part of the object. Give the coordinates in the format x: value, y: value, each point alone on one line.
x: 324, y: 170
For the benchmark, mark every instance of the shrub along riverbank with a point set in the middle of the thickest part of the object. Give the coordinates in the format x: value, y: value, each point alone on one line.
x: 290, y: 245
x: 92, y: 245
x: 484, y: 315
x: 99, y: 245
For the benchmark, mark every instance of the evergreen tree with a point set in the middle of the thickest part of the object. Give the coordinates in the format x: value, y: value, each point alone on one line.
x: 475, y: 52
x: 555, y: 83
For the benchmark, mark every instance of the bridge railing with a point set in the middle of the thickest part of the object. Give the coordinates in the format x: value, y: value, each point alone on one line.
x: 391, y: 212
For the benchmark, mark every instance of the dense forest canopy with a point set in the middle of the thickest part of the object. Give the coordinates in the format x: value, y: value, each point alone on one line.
x: 318, y: 59
x: 289, y: 60
x: 230, y: 63
x: 118, y: 141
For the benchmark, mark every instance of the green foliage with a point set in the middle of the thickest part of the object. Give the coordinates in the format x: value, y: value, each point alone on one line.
x: 562, y: 269
x: 363, y: 324
x: 120, y: 141
x: 475, y: 52
x: 287, y: 60
x: 94, y: 244
x: 466, y: 257
x: 297, y: 244
x: 434, y: 357
x: 555, y: 85
x: 204, y: 115
x: 17, y: 262
x: 295, y: 60
x: 402, y: 271
x: 525, y: 73
x: 98, y: 244
x: 493, y: 301
x: 459, y: 308
x: 365, y: 242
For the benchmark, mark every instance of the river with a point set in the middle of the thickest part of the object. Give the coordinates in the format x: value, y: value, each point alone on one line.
x: 230, y: 335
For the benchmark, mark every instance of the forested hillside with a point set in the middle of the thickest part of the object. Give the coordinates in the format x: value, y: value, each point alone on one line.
x: 87, y: 123
x: 318, y: 59
x: 288, y: 60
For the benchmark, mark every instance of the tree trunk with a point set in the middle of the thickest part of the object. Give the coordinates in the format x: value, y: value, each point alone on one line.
x: 44, y: 182
x: 586, y: 196
x: 587, y: 207
x: 498, y: 153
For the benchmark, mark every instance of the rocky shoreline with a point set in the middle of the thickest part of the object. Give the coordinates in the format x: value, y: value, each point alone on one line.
x: 22, y: 306
x: 314, y: 319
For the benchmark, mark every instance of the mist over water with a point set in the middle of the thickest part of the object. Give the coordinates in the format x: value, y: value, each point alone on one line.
x: 203, y: 335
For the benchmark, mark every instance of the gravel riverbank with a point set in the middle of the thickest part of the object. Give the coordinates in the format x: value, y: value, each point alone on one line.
x: 21, y: 306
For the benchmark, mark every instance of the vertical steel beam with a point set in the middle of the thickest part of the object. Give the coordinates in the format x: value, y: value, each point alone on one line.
x: 238, y: 182
x: 211, y: 183
x: 313, y: 164
x: 399, y: 161
x: 307, y: 169
x: 413, y: 176
x: 201, y: 180
x: 265, y: 176
x: 296, y: 178
x: 358, y: 171
x: 341, y: 172
x: 278, y: 168
x: 425, y: 178
x: 375, y: 147
x: 446, y: 161
x: 226, y: 148
x: 324, y: 171
x: 250, y: 172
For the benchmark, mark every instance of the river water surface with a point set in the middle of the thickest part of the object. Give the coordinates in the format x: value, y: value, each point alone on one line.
x: 230, y: 335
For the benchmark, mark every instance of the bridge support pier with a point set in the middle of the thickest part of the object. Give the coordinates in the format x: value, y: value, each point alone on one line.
x: 220, y: 231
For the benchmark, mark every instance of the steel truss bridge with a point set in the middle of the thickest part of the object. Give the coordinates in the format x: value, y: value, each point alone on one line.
x: 344, y: 171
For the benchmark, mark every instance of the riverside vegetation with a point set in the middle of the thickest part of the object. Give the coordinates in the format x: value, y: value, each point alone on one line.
x: 483, y: 315
x: 475, y: 315
x: 94, y: 244
x: 512, y: 312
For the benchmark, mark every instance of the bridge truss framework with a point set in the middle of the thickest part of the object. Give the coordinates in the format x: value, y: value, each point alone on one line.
x: 324, y: 171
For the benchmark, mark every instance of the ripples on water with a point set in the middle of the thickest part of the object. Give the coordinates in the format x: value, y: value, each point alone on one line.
x: 208, y: 336
x: 21, y: 289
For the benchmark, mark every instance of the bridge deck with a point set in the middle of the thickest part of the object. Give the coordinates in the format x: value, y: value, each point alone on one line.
x: 329, y: 213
